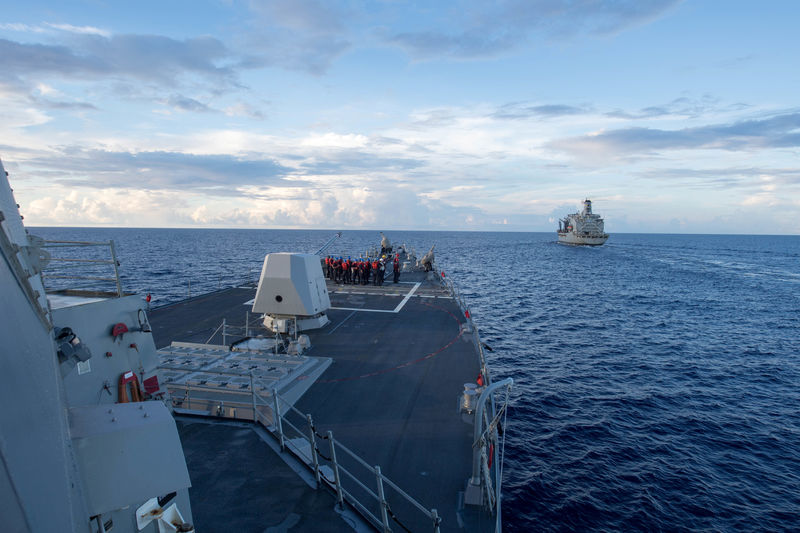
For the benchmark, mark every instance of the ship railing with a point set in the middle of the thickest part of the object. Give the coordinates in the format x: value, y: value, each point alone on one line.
x: 457, y: 296
x: 252, y: 325
x: 354, y: 481
x: 487, y: 472
x: 81, y: 267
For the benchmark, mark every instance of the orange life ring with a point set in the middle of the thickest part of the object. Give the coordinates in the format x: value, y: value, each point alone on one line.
x: 136, y: 392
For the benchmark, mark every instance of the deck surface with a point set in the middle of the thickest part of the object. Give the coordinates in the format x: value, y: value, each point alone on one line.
x: 391, y: 394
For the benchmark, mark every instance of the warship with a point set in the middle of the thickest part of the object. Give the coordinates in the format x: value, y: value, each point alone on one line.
x: 584, y: 228
x: 301, y: 402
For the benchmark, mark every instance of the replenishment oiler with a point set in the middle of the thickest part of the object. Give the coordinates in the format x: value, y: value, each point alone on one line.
x: 360, y: 406
x: 584, y: 228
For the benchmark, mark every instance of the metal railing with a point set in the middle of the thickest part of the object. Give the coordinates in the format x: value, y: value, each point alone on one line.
x: 487, y: 472
x: 79, y: 269
x: 354, y: 481
x: 252, y: 324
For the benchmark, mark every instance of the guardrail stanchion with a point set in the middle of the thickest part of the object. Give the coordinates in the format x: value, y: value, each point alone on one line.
x: 247, y: 323
x: 339, y: 495
x: 384, y: 514
x: 313, y: 442
x: 116, y: 267
x: 224, y: 332
x: 253, y: 396
x: 276, y: 418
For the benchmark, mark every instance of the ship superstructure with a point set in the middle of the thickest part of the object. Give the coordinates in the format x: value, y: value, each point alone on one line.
x: 87, y: 441
x: 584, y: 228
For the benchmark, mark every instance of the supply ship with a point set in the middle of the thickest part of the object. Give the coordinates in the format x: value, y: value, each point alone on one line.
x: 584, y: 228
x: 298, y: 403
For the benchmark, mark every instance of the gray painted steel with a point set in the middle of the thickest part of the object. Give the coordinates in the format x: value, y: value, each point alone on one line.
x: 35, y: 449
x: 126, y: 453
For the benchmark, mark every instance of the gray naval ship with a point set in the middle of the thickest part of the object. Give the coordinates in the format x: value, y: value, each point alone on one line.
x: 584, y: 228
x: 294, y: 404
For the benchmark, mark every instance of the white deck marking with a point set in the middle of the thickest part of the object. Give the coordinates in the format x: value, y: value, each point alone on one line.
x: 395, y: 310
x: 408, y: 296
x: 362, y: 309
x: 249, y: 302
x: 342, y: 322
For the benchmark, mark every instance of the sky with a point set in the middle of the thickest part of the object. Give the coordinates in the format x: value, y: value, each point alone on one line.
x: 672, y: 116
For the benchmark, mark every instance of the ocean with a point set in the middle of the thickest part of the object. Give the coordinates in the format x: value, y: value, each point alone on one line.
x: 656, y: 378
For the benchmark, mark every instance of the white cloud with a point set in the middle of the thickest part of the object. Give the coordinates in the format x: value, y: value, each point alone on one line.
x: 84, y: 30
x: 335, y: 140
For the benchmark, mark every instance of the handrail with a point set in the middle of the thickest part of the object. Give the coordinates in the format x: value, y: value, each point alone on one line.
x: 316, y: 459
x: 53, y: 272
x: 479, y: 413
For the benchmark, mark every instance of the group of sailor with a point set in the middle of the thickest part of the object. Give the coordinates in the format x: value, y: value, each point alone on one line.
x: 358, y: 271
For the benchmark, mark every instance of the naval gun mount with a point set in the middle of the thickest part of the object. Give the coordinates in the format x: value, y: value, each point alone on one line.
x: 291, y: 293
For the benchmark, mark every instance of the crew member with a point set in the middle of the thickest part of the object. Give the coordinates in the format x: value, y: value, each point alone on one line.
x: 375, y: 266
x: 381, y: 270
x: 396, y: 267
x: 346, y: 271
x: 337, y: 270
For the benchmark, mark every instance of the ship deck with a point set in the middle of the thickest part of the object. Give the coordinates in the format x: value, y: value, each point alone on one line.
x: 391, y: 395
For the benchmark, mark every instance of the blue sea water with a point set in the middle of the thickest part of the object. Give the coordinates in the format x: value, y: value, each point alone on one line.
x: 657, y: 378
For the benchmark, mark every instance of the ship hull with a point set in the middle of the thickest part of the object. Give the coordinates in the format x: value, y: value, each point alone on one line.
x: 581, y: 240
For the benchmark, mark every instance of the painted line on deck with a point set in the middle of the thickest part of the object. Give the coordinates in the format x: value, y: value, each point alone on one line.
x: 364, y: 310
x: 397, y: 309
x: 342, y: 322
x: 408, y: 296
x: 407, y: 363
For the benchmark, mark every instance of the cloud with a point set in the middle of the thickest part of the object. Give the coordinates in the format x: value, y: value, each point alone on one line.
x: 303, y: 35
x: 149, y: 58
x: 780, y: 131
x: 520, y: 111
x: 184, y: 103
x: 22, y: 28
x: 95, y: 168
x: 85, y: 30
x: 726, y: 177
x: 243, y: 109
x: 358, y: 162
x: 493, y: 28
x: 121, y: 207
x: 682, y: 106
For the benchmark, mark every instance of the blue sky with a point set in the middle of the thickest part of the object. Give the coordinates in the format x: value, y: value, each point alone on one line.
x: 672, y: 116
